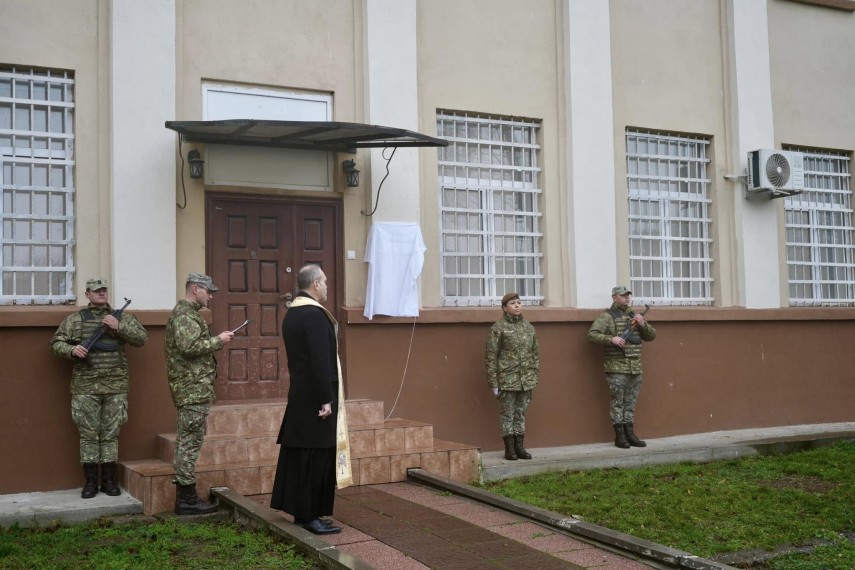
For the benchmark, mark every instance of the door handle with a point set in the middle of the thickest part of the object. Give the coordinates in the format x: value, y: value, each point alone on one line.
x: 287, y: 297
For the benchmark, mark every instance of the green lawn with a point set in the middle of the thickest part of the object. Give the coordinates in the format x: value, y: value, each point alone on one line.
x: 103, y: 544
x: 715, y: 508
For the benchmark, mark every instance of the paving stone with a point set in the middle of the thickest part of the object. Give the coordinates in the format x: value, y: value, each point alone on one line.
x: 437, y: 539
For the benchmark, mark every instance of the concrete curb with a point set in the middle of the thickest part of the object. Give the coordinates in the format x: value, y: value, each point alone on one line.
x: 622, y: 542
x: 29, y: 509
x: 693, y: 448
x: 248, y: 512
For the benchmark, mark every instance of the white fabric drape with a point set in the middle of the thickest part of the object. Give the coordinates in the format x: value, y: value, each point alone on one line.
x: 395, y: 254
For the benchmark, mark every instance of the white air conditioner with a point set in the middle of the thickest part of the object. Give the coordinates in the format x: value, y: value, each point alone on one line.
x: 776, y: 173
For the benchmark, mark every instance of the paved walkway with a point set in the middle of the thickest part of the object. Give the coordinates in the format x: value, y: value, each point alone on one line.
x: 407, y: 526
x: 415, y: 525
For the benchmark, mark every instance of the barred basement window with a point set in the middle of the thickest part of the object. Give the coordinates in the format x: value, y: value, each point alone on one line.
x: 820, y: 260
x: 490, y: 217
x: 37, y: 182
x: 669, y: 220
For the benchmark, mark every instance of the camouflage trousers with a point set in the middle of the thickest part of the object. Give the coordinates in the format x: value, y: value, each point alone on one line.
x: 512, y: 413
x: 192, y: 420
x: 624, y: 389
x: 98, y: 418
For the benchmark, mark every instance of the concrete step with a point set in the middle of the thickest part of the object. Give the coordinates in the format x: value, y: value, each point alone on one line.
x: 262, y: 417
x: 240, y: 452
x: 366, y: 440
x: 225, y: 448
x: 150, y: 481
x: 393, y: 436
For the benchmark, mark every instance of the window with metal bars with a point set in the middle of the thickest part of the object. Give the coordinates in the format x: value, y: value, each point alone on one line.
x: 489, y: 209
x: 820, y: 260
x: 669, y: 221
x: 37, y: 183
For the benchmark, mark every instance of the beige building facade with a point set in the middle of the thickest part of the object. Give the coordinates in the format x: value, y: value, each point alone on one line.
x: 590, y: 143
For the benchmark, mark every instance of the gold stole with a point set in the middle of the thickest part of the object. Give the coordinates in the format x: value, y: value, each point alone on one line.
x: 343, y: 472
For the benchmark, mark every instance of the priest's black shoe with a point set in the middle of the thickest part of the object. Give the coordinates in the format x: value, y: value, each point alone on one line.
x: 317, y: 526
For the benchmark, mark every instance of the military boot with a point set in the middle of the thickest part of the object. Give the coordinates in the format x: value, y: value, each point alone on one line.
x: 187, y: 502
x: 631, y: 438
x: 510, y: 454
x: 108, y: 479
x: 620, y: 437
x: 90, y: 487
x: 519, y: 446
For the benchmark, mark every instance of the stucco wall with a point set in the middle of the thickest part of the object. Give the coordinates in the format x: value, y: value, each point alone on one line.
x: 38, y: 441
x: 287, y: 45
x: 669, y: 75
x: 812, y: 52
x: 709, y: 369
x: 492, y: 57
x: 72, y: 36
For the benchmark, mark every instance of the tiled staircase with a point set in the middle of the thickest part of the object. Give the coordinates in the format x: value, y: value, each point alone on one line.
x: 240, y: 452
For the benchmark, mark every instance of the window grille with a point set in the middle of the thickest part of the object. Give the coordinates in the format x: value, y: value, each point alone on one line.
x: 37, y: 182
x: 820, y: 260
x: 669, y: 221
x: 490, y: 216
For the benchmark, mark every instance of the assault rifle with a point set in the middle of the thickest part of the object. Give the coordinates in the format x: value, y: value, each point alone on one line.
x: 630, y: 327
x: 102, y: 330
x: 628, y: 332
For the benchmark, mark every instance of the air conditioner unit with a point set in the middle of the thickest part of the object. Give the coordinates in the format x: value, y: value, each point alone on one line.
x: 775, y: 173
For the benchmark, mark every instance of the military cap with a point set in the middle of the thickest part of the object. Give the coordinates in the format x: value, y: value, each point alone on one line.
x: 95, y: 284
x: 203, y: 280
x: 509, y: 297
x: 621, y: 290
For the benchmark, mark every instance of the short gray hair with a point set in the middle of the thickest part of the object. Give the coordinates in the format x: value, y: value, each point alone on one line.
x: 308, y: 275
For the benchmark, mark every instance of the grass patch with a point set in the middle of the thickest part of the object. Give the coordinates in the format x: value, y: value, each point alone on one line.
x: 714, y: 508
x: 102, y: 544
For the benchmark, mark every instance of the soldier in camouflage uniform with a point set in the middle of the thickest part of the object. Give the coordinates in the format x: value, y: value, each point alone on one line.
x: 99, y: 383
x: 513, y: 369
x: 192, y: 371
x: 622, y: 363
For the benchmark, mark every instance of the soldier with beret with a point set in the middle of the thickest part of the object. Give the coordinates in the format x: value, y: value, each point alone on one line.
x: 192, y: 371
x: 622, y: 363
x: 513, y: 370
x: 99, y: 382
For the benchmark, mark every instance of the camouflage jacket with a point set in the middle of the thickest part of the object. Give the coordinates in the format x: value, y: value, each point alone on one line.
x: 190, y: 364
x: 86, y: 379
x: 611, y: 323
x: 512, y: 355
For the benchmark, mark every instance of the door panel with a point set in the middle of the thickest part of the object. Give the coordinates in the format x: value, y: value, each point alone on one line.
x: 256, y: 246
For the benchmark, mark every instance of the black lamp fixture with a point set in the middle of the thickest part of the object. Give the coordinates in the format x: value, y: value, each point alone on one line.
x: 196, y: 163
x: 351, y: 173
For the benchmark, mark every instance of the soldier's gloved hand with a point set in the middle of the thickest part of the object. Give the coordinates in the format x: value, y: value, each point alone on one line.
x: 496, y: 392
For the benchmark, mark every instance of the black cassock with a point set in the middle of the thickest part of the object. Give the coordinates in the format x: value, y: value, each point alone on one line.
x: 305, y: 480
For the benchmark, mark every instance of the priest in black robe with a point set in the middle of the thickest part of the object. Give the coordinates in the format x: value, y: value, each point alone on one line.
x: 305, y: 481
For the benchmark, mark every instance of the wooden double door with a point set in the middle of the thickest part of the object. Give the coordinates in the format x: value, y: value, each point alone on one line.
x: 256, y: 246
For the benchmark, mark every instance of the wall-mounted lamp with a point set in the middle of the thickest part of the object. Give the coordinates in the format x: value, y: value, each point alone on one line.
x: 196, y: 163
x: 351, y: 173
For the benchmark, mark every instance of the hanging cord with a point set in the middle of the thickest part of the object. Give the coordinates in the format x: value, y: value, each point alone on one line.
x: 377, y: 200
x: 406, y: 365
x: 183, y: 189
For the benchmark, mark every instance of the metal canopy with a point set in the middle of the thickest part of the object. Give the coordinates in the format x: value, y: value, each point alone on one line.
x: 303, y: 135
